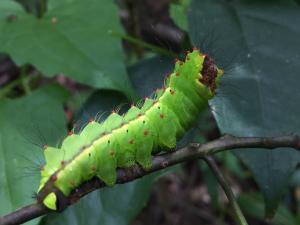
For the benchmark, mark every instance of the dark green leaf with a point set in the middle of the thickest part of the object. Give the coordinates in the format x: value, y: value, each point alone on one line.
x: 149, y: 74
x: 178, y: 13
x: 259, y: 95
x: 100, y: 104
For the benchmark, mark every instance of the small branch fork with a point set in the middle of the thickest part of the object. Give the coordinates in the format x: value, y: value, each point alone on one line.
x: 160, y: 162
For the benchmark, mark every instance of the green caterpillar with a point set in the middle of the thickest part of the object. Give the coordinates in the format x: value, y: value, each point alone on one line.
x: 124, y: 140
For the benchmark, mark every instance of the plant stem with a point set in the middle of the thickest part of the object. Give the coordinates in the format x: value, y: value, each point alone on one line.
x: 141, y: 43
x: 239, y: 217
x: 25, y: 80
x: 41, y: 8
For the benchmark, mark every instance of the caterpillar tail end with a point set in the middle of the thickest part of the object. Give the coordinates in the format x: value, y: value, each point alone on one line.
x: 50, y: 201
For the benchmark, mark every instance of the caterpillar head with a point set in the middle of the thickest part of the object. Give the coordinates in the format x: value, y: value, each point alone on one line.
x: 210, y: 74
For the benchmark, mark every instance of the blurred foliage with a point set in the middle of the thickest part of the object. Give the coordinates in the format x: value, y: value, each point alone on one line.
x: 256, y: 42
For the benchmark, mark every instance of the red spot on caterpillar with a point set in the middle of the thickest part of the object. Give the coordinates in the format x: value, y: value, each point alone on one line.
x: 72, y: 183
x: 45, y: 146
x: 131, y: 142
x: 162, y: 116
x: 187, y: 52
x: 112, y: 152
x: 138, y: 115
x: 180, y: 63
x: 94, y: 168
x: 62, y: 162
x: 70, y: 133
x: 187, y: 58
x: 172, y: 92
x: 146, y: 133
x: 54, y: 177
x: 103, y: 134
x: 91, y: 119
x: 122, y: 124
x: 177, y: 74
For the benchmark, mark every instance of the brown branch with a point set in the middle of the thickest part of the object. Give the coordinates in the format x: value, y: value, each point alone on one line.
x: 159, y: 162
x: 240, y: 219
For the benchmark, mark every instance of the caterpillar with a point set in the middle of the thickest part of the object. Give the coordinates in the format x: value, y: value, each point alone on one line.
x: 122, y: 141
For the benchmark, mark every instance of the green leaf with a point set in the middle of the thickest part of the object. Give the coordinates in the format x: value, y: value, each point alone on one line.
x: 33, y: 120
x: 178, y: 13
x: 73, y: 38
x: 8, y: 8
x: 259, y: 95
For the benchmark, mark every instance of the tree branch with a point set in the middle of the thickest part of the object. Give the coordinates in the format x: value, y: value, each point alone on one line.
x: 189, y: 152
x: 240, y: 219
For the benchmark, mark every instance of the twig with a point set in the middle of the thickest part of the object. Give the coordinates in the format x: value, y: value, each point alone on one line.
x: 189, y: 152
x: 240, y: 219
x: 143, y: 44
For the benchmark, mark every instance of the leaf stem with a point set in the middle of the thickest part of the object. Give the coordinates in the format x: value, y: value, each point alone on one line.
x: 41, y: 8
x: 25, y: 80
x: 141, y: 43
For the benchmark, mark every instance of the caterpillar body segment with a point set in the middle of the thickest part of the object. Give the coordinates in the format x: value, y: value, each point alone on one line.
x: 122, y: 141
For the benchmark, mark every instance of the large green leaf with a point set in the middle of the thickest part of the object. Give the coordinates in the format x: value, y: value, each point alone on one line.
x: 73, y: 38
x: 259, y: 95
x: 26, y: 124
x: 178, y: 13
